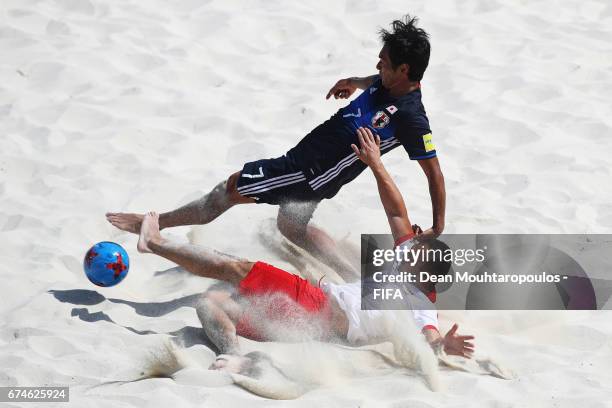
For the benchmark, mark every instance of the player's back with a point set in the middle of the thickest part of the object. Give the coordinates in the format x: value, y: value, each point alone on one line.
x: 325, y: 154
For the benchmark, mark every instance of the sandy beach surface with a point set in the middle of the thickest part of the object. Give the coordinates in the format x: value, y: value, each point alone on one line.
x: 136, y: 106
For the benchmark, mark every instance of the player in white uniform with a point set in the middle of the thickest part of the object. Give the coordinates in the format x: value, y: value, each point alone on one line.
x: 334, y: 309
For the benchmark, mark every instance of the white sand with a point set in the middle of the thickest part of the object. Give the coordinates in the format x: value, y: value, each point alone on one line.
x: 139, y: 105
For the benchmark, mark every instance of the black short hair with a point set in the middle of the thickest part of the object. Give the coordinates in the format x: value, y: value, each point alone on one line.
x: 436, y: 263
x: 407, y: 44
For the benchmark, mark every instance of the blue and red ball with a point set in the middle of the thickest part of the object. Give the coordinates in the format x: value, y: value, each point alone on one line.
x: 106, y: 264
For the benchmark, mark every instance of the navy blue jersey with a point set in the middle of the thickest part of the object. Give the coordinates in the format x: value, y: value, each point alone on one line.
x: 325, y: 155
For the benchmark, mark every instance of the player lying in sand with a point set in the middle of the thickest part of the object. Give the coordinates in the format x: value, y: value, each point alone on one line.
x: 322, y: 162
x: 332, y: 311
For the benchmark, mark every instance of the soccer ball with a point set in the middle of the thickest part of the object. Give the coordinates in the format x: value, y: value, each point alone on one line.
x: 106, y: 264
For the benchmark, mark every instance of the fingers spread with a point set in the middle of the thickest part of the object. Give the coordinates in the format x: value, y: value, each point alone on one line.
x: 360, y: 137
x: 466, y: 337
x: 367, y: 135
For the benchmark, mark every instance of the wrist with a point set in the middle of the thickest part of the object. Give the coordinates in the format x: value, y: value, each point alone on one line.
x: 376, y: 165
x: 438, y: 228
x: 358, y: 82
x: 437, y: 345
x: 354, y: 81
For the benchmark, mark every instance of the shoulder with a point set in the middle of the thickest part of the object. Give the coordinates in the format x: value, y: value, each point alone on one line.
x: 410, y: 106
x: 377, y: 83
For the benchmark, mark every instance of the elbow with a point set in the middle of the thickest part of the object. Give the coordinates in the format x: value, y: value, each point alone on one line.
x: 438, y: 229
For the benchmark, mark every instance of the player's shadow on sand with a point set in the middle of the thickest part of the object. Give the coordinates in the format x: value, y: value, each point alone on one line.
x: 187, y: 336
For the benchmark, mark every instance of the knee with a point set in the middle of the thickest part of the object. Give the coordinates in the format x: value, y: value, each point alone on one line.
x: 208, y: 308
x: 292, y: 229
x: 231, y: 185
x: 205, y: 303
x: 231, y: 190
x: 225, y: 194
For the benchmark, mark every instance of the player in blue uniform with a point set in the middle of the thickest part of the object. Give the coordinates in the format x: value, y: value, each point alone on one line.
x: 323, y: 161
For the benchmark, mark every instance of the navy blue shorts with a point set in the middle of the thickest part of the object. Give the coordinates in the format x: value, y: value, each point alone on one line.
x: 275, y: 181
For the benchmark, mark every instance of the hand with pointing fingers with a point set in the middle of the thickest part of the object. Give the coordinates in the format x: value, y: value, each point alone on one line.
x: 343, y: 89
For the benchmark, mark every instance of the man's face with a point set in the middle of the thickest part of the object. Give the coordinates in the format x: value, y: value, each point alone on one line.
x: 388, y: 75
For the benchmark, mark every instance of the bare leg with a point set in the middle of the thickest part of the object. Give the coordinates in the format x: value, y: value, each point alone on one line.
x: 293, y: 222
x: 200, y: 211
x: 217, y: 312
x: 197, y: 260
x: 204, y: 210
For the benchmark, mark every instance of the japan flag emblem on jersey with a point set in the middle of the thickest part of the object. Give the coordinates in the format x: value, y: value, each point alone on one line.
x: 380, y: 120
x: 391, y: 109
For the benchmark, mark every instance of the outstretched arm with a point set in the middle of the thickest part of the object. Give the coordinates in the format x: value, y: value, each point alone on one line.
x: 437, y: 192
x: 390, y: 196
x: 451, y: 343
x: 344, y: 88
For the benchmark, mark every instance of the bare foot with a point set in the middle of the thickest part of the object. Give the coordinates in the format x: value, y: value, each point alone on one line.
x: 231, y: 363
x: 126, y: 221
x: 149, y: 232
